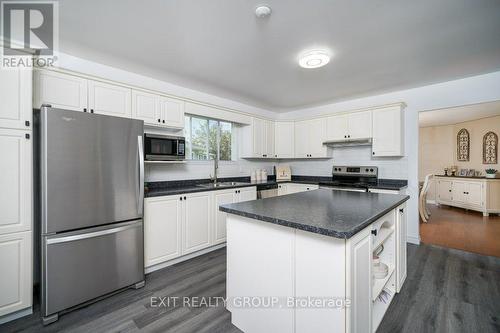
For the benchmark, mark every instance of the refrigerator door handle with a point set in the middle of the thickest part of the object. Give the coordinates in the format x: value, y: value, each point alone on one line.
x: 140, y: 150
x: 70, y: 238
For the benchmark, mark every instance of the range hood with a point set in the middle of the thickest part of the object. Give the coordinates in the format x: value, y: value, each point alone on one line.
x: 349, y: 142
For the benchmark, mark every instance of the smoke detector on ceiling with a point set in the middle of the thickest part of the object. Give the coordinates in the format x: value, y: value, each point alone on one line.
x: 262, y: 11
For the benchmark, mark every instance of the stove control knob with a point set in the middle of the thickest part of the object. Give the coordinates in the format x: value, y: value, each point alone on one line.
x: 371, y: 170
x: 366, y: 170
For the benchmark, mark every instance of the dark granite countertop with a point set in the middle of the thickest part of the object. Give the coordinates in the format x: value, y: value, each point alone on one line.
x: 156, y: 189
x: 339, y: 214
x: 471, y: 177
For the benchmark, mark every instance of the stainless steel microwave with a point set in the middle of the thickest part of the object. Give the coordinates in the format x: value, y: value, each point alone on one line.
x: 164, y: 147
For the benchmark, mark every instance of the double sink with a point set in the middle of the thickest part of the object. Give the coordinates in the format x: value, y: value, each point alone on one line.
x: 221, y: 184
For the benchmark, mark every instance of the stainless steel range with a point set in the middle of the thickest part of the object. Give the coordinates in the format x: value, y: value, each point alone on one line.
x: 352, y: 178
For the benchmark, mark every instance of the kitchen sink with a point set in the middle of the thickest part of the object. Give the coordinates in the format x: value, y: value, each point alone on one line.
x: 220, y: 184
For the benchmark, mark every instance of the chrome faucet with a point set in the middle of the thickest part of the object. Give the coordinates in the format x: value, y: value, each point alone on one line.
x: 216, y: 167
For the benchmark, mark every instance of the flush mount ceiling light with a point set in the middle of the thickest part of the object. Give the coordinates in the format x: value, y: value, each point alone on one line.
x: 314, y: 59
x: 262, y: 11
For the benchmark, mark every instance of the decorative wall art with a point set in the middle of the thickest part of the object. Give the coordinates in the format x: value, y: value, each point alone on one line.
x: 490, y: 148
x: 463, y: 145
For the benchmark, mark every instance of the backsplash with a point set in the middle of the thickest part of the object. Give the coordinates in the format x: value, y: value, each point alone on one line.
x: 389, y: 168
x: 203, y: 169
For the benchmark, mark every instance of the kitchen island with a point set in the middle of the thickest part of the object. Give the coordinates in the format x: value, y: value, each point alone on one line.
x: 303, y: 262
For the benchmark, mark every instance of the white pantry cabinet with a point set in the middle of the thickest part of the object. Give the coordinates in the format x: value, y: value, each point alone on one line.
x: 356, y: 125
x: 309, y: 138
x: 15, y: 180
x: 284, y: 138
x: 16, y: 276
x: 388, y: 132
x: 162, y: 229
x: 15, y: 97
x: 109, y: 99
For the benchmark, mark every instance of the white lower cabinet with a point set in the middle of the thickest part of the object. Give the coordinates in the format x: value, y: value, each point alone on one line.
x: 195, y: 222
x: 162, y: 229
x: 468, y: 193
x: 181, y: 224
x: 16, y: 272
x: 359, y: 281
x: 401, y: 269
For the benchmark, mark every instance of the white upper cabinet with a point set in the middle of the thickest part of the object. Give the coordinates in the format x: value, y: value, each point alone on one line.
x: 360, y: 125
x: 388, y: 132
x: 146, y: 106
x: 60, y: 90
x: 172, y: 112
x: 284, y: 138
x: 309, y: 138
x: 109, y: 99
x: 15, y: 97
x: 15, y: 181
x: 337, y: 128
x: 157, y: 110
x: 357, y: 125
x: 257, y: 139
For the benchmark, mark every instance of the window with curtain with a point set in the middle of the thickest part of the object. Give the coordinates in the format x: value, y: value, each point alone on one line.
x: 205, y: 137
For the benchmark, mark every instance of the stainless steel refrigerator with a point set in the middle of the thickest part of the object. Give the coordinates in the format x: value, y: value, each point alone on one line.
x: 90, y: 206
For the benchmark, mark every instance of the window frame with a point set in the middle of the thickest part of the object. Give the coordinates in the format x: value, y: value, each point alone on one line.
x: 207, y: 143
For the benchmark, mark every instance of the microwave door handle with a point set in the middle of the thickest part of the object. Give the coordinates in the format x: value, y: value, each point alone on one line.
x: 140, y: 150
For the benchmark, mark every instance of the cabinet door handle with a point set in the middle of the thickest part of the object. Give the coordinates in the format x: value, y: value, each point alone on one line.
x: 449, y: 190
x: 374, y: 232
x: 180, y: 198
x: 91, y: 110
x: 184, y: 198
x: 27, y: 136
x: 163, y: 121
x: 401, y: 210
x: 84, y: 109
x: 349, y: 136
x: 27, y: 123
x: 159, y: 120
x: 373, y: 153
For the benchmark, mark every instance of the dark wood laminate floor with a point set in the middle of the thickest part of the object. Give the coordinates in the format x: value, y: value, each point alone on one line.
x: 446, y: 291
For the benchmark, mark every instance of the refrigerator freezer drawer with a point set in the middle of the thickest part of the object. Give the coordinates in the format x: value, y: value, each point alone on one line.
x: 80, y: 266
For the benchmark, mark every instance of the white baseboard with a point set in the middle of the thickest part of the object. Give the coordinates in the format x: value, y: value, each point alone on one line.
x: 413, y: 240
x: 183, y: 258
x: 16, y: 315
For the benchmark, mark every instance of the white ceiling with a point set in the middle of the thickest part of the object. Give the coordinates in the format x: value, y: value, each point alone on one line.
x: 459, y: 114
x: 220, y: 47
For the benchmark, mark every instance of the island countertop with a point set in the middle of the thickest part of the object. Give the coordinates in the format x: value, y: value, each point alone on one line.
x: 335, y: 213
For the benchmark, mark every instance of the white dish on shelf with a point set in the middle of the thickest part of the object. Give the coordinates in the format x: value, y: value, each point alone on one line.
x: 380, y: 271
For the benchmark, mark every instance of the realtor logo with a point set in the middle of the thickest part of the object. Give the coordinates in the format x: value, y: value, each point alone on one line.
x: 29, y: 28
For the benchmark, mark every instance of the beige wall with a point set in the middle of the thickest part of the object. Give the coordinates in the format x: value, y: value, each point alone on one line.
x: 438, y: 147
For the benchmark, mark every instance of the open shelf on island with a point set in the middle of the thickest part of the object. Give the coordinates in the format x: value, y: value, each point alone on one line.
x: 379, y: 284
x: 382, y: 236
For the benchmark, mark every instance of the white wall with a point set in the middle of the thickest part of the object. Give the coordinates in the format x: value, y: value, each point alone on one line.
x: 472, y: 90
